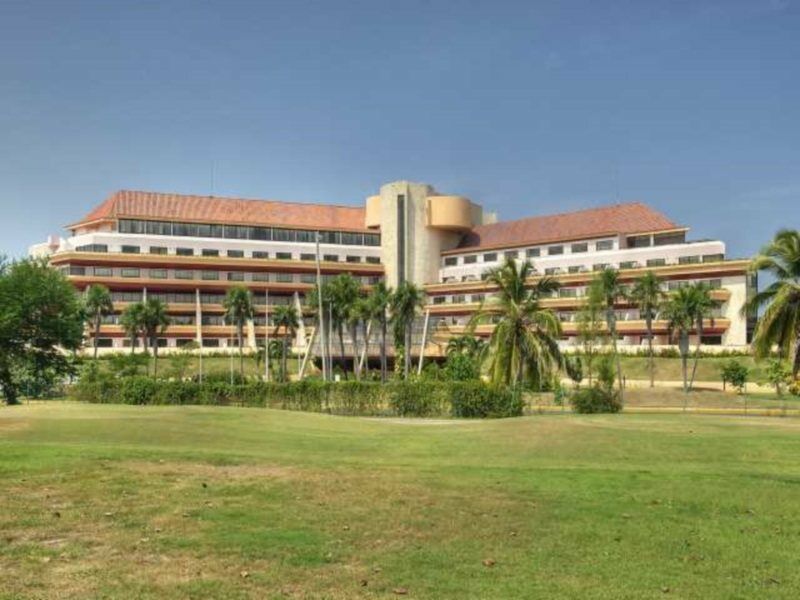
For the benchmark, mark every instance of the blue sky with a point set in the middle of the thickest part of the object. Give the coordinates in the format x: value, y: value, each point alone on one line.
x: 527, y: 107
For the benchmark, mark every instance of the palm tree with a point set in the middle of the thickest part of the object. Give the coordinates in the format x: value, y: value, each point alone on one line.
x: 285, y: 317
x: 238, y: 305
x: 647, y: 295
x: 344, y: 291
x: 379, y: 302
x: 679, y: 312
x: 591, y: 323
x: 406, y: 300
x: 98, y: 304
x: 779, y: 325
x: 154, y: 320
x: 356, y: 318
x: 313, y: 307
x: 131, y: 322
x: 612, y: 290
x: 467, y: 344
x: 704, y: 305
x: 524, y: 344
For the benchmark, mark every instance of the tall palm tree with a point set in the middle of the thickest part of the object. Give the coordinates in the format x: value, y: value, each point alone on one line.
x: 591, y: 324
x: 406, y: 301
x: 612, y: 290
x: 379, y: 302
x: 98, y: 304
x: 779, y: 325
x: 313, y: 307
x: 467, y: 344
x: 356, y: 319
x: 679, y: 312
x: 131, y: 322
x: 524, y: 344
x: 647, y: 295
x: 344, y: 291
x: 238, y: 305
x: 154, y: 320
x: 285, y: 317
x: 704, y: 305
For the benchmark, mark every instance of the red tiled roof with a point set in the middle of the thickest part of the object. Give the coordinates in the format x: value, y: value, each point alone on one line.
x: 617, y: 219
x: 213, y: 209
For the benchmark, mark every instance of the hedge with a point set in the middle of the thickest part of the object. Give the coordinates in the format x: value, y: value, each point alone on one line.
x: 406, y: 399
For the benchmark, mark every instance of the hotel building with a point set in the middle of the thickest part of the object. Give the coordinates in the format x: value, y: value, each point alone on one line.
x: 188, y: 250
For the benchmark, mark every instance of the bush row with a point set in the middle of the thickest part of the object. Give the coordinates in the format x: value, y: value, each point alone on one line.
x: 407, y: 399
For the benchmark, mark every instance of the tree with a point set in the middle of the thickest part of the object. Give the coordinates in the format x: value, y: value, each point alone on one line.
x: 131, y: 322
x: 779, y: 325
x: 313, y: 306
x: 612, y: 291
x: 648, y: 296
x: 468, y: 344
x: 97, y: 304
x: 682, y: 309
x: 344, y: 291
x: 154, y: 322
x: 379, y: 301
x: 591, y: 325
x: 523, y: 347
x: 406, y: 301
x: 778, y: 375
x: 41, y: 321
x: 285, y: 317
x: 238, y: 305
x: 704, y: 306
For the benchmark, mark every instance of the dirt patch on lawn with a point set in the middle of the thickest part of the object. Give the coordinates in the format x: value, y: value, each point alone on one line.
x: 214, y: 472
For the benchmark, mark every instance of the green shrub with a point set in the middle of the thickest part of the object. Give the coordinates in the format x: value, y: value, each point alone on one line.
x: 735, y: 373
x: 476, y: 400
x: 460, y: 367
x: 138, y: 390
x: 595, y: 399
x: 415, y: 399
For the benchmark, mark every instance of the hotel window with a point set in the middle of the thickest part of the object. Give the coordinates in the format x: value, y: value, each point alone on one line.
x: 439, y: 299
x: 353, y: 259
x: 75, y: 270
x: 260, y: 254
x: 568, y: 293
x: 450, y: 261
x: 490, y: 257
x: 158, y: 250
x: 210, y: 342
x: 628, y: 264
x: 552, y: 271
x: 533, y: 252
x: 209, y: 275
x: 283, y: 255
x: 582, y: 247
x: 105, y: 343
x: 604, y: 245
x: 688, y: 260
x: 284, y: 277
x: 184, y: 274
x: 459, y: 299
x: 92, y: 248
x: 471, y: 260
x: 308, y: 278
x: 600, y: 266
x: 236, y: 253
x: 210, y: 252
x: 639, y: 241
x: 511, y: 254
x: 715, y: 284
x: 352, y: 239
x: 664, y: 239
x: 235, y: 276
x: 261, y: 277
x: 553, y: 250
x: 103, y: 272
x: 656, y: 262
x: 374, y: 260
x: 574, y: 269
x: 158, y: 274
x: 478, y: 297
x: 330, y: 257
x: 184, y: 251
x: 308, y: 256
x: 130, y: 249
x: 129, y: 272
x: 713, y: 257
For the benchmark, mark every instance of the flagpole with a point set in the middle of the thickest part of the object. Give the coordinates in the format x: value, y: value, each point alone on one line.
x: 266, y: 334
x: 321, y: 323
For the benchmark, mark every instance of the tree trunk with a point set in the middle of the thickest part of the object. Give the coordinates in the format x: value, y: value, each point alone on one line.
x: 383, y: 349
x: 796, y: 361
x: 286, y: 356
x: 697, y: 351
x: 240, y: 335
x: 155, y: 357
x: 341, y: 350
x: 683, y: 343
x: 407, y: 352
x: 612, y: 328
x: 9, y: 389
x: 354, y: 338
x: 96, y: 333
x: 649, y: 324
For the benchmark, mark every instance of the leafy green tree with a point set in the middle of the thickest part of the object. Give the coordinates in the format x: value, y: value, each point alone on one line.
x: 238, y: 305
x: 468, y: 344
x: 736, y: 374
x: 41, y: 317
x: 379, y: 302
x: 285, y: 317
x: 591, y: 325
x: 154, y: 322
x: 344, y: 292
x: 461, y: 367
x: 704, y: 306
x: 407, y: 300
x: 131, y: 321
x: 778, y: 375
x: 523, y: 347
x: 98, y: 304
x: 684, y: 310
x: 779, y: 325
x: 612, y: 291
x: 648, y: 296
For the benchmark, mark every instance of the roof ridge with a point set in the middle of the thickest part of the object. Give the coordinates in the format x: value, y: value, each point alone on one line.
x: 233, y: 198
x: 577, y: 211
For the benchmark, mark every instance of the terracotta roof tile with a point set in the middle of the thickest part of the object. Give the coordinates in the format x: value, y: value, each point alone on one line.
x: 629, y: 218
x: 214, y: 209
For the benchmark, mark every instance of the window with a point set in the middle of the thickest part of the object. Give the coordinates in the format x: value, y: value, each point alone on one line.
x: 184, y: 274
x: 210, y: 252
x: 663, y: 239
x: 639, y: 241
x: 129, y: 272
x: 374, y: 260
x: 459, y: 299
x: 331, y: 258
x: 533, y: 252
x: 711, y: 340
x: 74, y: 270
x: 184, y: 251
x: 210, y: 342
x: 450, y: 261
x: 283, y: 255
x: 105, y: 342
x: 130, y: 249
x: 284, y: 277
x: 688, y: 260
x: 308, y: 256
x: 511, y: 254
x: 600, y: 266
x: 308, y: 278
x: 236, y: 253
x: 260, y: 254
x: 604, y: 245
x: 490, y: 257
x: 628, y: 264
x: 235, y: 276
x: 158, y: 250
x: 713, y: 257
x: 353, y: 259
x: 574, y: 269
x: 158, y: 273
x: 439, y: 299
x: 471, y: 260
x: 209, y: 275
x: 568, y: 293
x: 582, y: 247
x: 261, y: 277
x: 92, y: 248
x: 552, y: 271
x: 103, y: 272
x: 553, y: 250
x: 656, y: 262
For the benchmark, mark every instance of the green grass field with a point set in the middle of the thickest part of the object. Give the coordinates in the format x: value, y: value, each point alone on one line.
x: 197, y: 502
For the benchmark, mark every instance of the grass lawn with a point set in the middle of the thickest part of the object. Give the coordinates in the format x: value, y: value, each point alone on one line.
x: 669, y: 369
x: 200, y: 502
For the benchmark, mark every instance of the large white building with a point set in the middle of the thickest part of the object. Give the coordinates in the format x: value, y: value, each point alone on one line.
x: 188, y: 250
